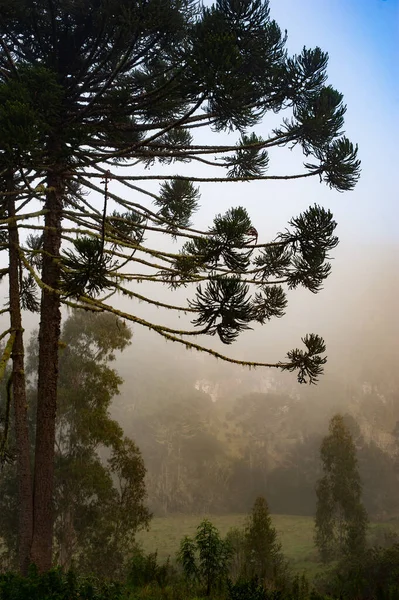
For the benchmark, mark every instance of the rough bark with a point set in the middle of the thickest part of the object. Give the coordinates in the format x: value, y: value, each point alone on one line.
x: 49, y: 335
x: 24, y: 473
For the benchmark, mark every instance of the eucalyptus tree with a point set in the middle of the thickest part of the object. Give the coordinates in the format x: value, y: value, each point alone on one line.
x: 341, y: 519
x: 131, y: 84
x: 99, y: 492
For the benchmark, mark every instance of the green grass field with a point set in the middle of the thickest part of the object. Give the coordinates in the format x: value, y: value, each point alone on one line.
x: 296, y: 535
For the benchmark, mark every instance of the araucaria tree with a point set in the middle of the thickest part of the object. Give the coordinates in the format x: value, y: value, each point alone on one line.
x: 341, y: 519
x: 96, y: 90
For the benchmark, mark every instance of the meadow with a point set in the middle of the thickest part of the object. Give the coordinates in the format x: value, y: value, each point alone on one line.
x: 295, y: 533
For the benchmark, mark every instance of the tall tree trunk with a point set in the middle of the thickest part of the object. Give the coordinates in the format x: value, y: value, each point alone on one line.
x: 49, y: 335
x: 24, y: 474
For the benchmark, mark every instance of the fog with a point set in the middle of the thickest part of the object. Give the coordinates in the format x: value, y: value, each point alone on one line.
x: 243, y: 421
x: 251, y: 429
x: 355, y: 313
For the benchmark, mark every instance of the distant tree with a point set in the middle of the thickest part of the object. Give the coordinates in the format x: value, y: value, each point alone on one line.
x: 377, y: 473
x: 263, y: 555
x: 235, y: 537
x: 341, y: 519
x: 206, y: 558
x: 292, y: 482
x: 259, y: 424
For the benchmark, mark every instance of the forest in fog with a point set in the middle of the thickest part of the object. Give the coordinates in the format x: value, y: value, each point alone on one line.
x: 214, y: 436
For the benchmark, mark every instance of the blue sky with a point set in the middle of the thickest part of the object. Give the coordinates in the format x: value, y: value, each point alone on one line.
x: 362, y: 39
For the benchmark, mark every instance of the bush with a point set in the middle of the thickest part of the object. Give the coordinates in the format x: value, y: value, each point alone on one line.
x: 56, y: 585
x: 246, y: 590
x: 144, y: 569
x: 376, y: 576
x: 253, y: 590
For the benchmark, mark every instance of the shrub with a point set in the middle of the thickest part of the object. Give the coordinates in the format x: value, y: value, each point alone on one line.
x: 376, y: 575
x: 56, y: 585
x: 246, y: 590
x: 254, y: 590
x: 144, y: 569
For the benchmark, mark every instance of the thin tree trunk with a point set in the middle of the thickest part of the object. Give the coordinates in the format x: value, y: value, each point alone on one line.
x: 68, y: 538
x: 49, y: 335
x: 24, y: 474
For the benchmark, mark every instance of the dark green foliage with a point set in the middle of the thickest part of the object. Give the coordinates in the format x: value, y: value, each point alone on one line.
x: 178, y: 200
x: 56, y: 585
x: 29, y: 103
x: 128, y: 226
x: 224, y: 308
x: 341, y: 167
x: 341, y: 520
x: 269, y: 303
x: 230, y: 233
x: 318, y: 121
x: 250, y: 160
x: 225, y: 246
x: 35, y: 245
x: 301, y: 257
x: 143, y: 569
x: 86, y: 268
x: 264, y: 559
x: 28, y: 294
x: 374, y: 576
x: 309, y: 363
x: 206, y: 558
x: 247, y: 590
x: 252, y: 589
x: 98, y: 503
x: 187, y: 559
